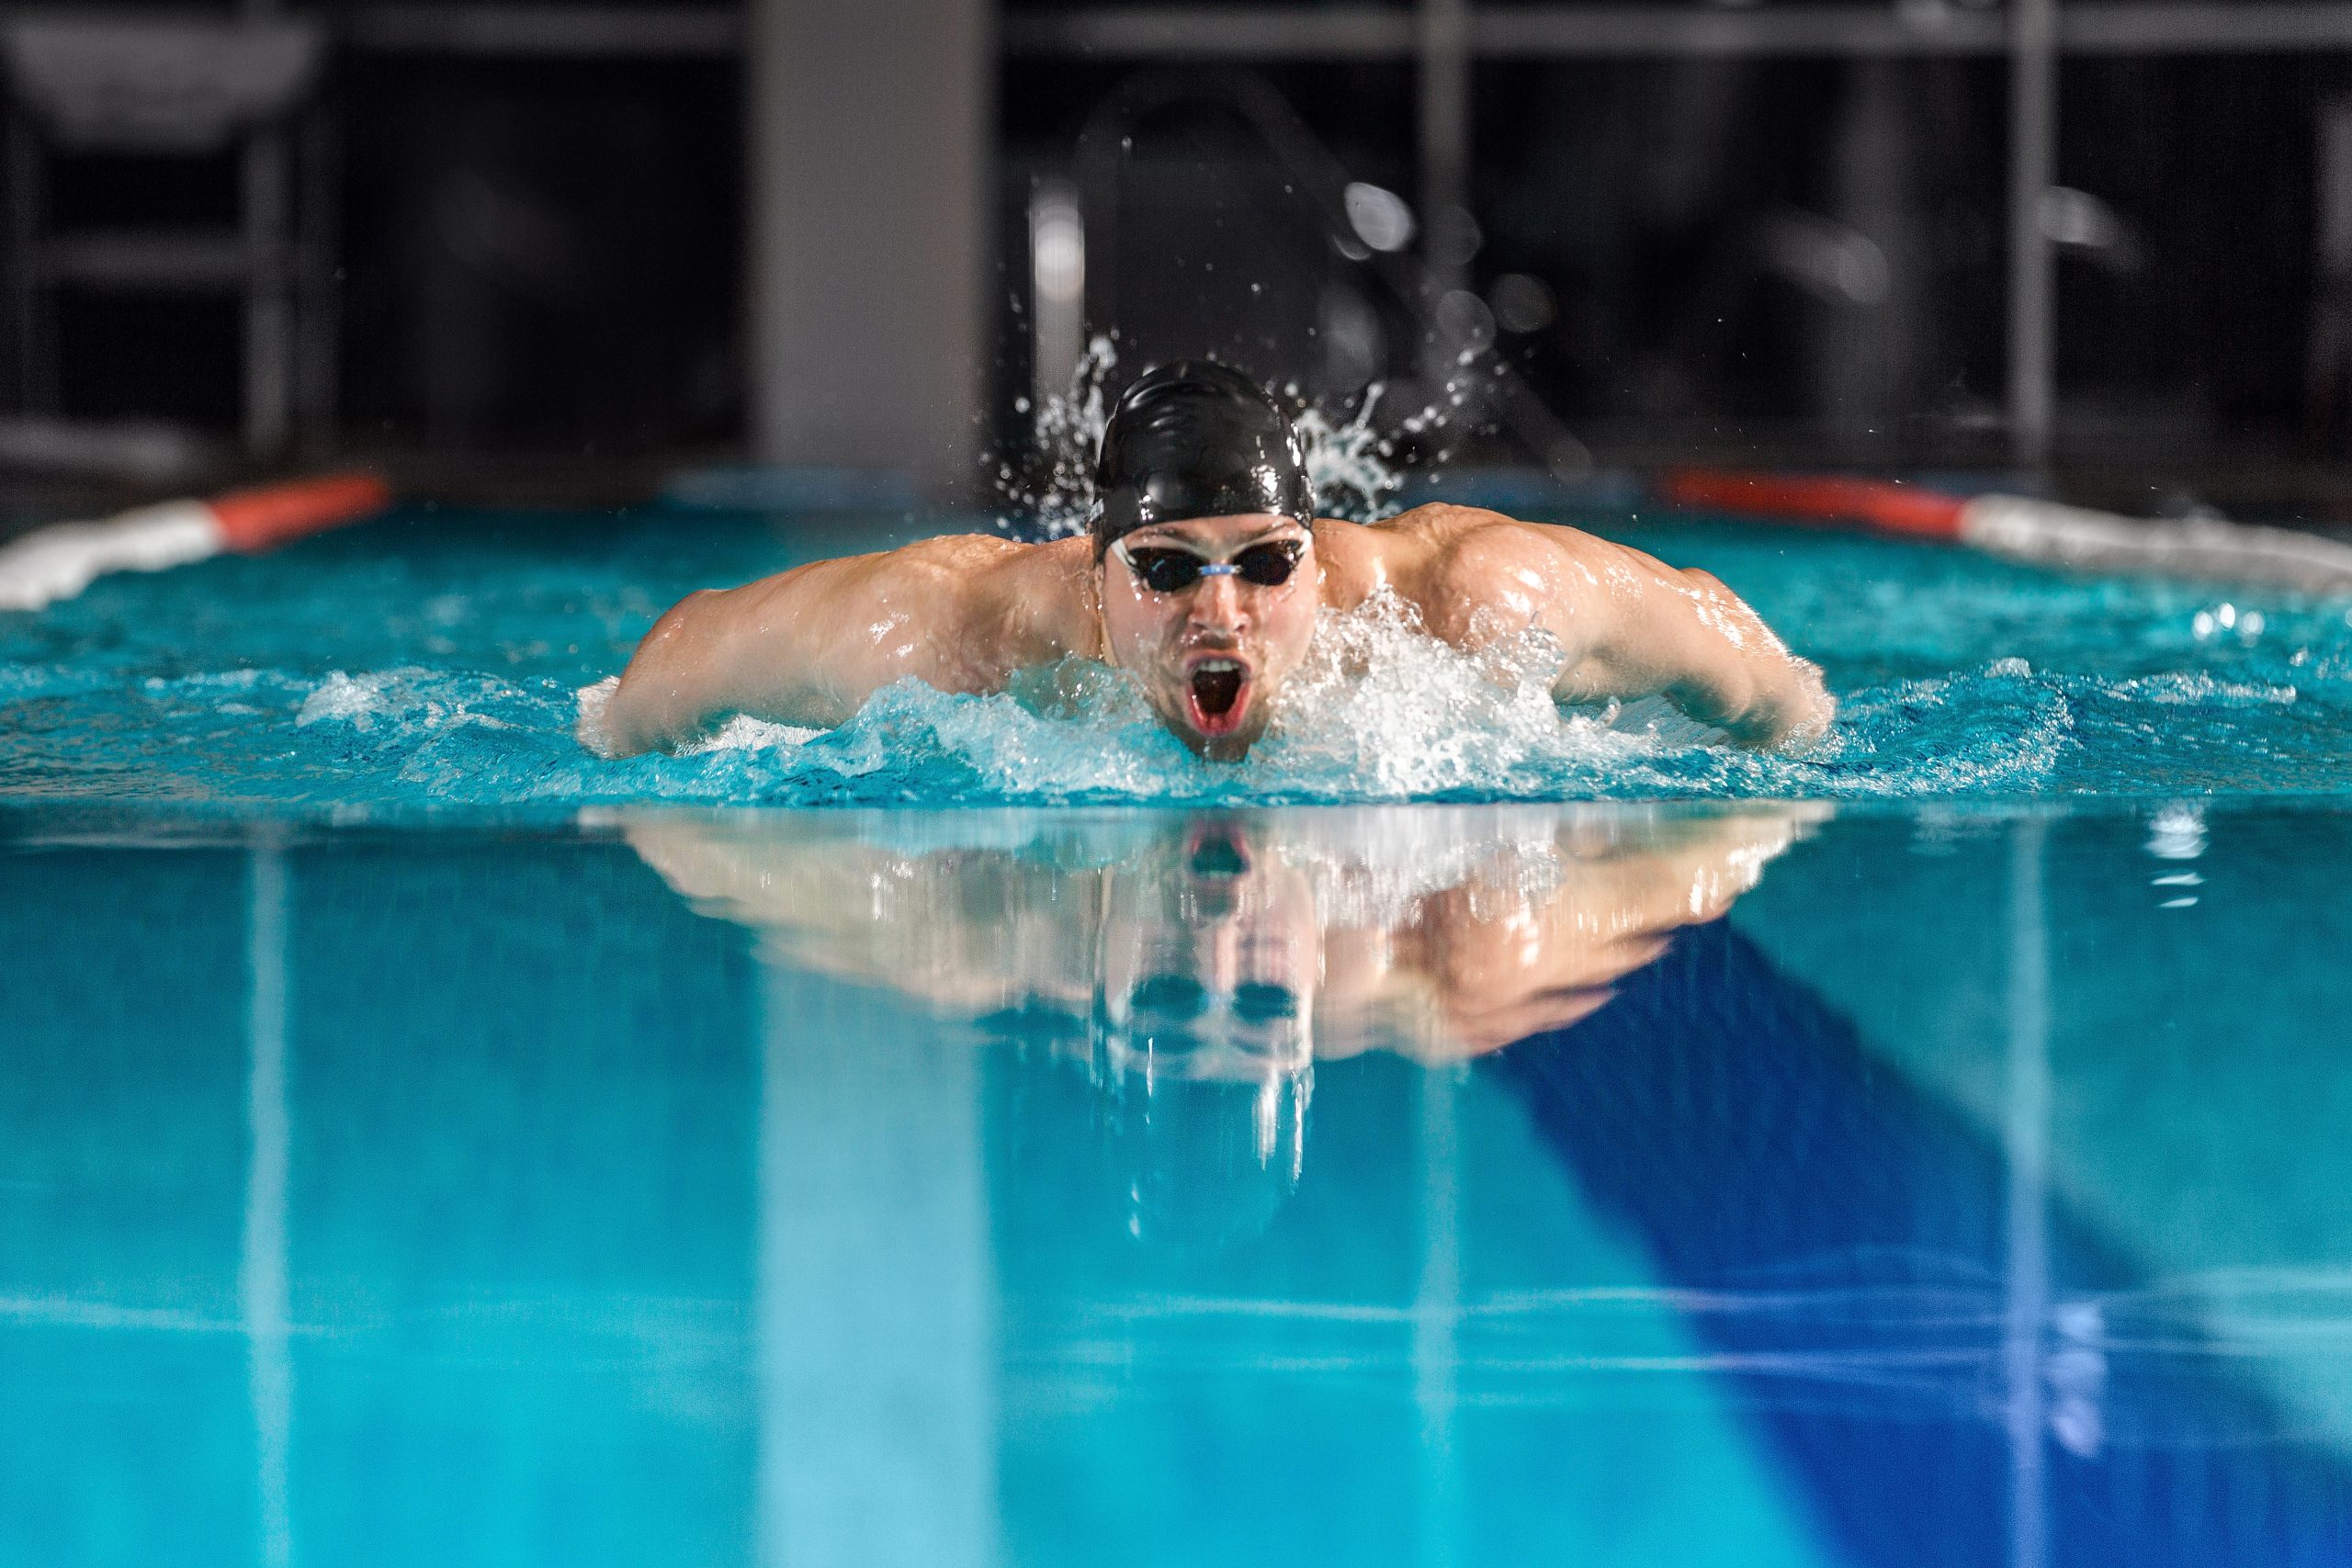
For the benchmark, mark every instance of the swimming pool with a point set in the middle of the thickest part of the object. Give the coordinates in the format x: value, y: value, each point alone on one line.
x: 421, y: 1141
x: 431, y: 661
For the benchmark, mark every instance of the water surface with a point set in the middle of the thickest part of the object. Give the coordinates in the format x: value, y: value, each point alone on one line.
x: 432, y: 662
x: 1413, y: 1185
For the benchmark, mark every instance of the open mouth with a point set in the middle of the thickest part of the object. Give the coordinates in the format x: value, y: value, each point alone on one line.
x: 1218, y: 689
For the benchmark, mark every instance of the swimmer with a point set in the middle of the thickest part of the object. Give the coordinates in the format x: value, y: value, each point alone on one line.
x: 1202, y: 575
x: 1441, y: 932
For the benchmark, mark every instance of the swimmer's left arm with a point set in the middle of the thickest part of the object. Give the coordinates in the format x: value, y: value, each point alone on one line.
x: 1633, y: 626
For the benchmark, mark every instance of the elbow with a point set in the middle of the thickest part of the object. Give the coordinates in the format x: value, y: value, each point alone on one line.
x: 1794, y: 717
x: 1786, y: 710
x: 628, y: 721
x: 650, y: 704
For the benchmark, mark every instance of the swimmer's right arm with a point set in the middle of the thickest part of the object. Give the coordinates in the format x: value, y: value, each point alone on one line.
x: 809, y: 645
x: 714, y: 652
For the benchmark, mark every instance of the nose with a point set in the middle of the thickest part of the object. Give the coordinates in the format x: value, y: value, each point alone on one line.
x: 1217, y: 602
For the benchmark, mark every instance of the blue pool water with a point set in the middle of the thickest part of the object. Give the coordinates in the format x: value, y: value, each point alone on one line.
x: 1403, y: 1186
x: 433, y: 661
x: 422, y: 1142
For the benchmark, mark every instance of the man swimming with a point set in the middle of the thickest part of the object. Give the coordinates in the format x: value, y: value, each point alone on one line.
x: 1202, y: 574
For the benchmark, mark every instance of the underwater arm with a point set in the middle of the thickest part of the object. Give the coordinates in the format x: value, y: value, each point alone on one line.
x: 1497, y: 963
x: 972, y: 930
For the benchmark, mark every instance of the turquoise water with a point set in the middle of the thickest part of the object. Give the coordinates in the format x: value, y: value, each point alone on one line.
x: 433, y: 661
x: 1418, y: 1185
x: 422, y: 1142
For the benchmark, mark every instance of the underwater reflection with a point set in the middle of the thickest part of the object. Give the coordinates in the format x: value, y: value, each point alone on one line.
x: 1193, y: 967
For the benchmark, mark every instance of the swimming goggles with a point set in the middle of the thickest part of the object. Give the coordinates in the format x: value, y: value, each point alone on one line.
x: 1167, y: 570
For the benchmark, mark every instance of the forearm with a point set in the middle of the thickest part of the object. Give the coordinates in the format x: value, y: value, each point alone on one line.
x: 663, y: 697
x: 1767, y: 700
x: 712, y: 655
x: 1688, y: 636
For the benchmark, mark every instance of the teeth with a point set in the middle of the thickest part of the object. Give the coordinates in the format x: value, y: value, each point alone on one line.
x: 1217, y: 664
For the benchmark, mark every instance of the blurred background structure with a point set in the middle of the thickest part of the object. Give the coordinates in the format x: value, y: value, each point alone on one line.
x: 577, y: 246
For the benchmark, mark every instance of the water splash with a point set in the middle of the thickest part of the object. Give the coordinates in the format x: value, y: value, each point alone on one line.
x: 1381, y: 712
x: 1052, y: 494
x: 1352, y: 462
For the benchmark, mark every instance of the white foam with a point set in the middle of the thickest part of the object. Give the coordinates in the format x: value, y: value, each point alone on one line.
x: 409, y: 697
x: 357, y: 701
x: 1350, y: 462
x: 742, y: 733
x: 589, y: 723
x: 1380, y: 700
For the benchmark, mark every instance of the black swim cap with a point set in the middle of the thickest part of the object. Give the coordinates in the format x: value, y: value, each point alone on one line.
x: 1196, y: 439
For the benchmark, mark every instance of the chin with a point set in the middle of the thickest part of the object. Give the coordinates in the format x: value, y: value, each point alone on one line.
x: 1219, y: 714
x: 1226, y: 742
x: 1223, y: 748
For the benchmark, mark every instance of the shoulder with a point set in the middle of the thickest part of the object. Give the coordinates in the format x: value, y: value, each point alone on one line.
x: 955, y: 564
x: 1026, y: 603
x: 1361, y: 559
x: 1441, y: 548
x: 1473, y: 573
x: 957, y: 556
x: 1467, y: 547
x: 1441, y: 527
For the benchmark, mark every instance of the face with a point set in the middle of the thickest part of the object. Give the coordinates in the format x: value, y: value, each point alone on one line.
x: 1209, y: 964
x: 1211, y: 655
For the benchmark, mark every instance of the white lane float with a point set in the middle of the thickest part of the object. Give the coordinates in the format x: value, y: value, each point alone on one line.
x: 2025, y: 528
x: 58, y: 561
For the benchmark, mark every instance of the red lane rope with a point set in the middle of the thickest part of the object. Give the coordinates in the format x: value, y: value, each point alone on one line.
x: 1827, y: 498
x: 272, y: 515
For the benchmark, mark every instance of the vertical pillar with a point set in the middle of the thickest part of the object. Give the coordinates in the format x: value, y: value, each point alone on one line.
x: 876, y: 1292
x: 261, y: 1266
x: 27, y: 297
x: 1056, y: 288
x: 2328, y: 357
x: 2025, y: 1139
x: 1444, y: 114
x: 869, y: 231
x: 269, y: 307
x: 317, y: 309
x: 2033, y: 167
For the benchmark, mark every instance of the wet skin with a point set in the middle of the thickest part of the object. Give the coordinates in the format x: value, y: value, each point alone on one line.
x: 968, y: 613
x: 1208, y: 656
x: 1528, y: 935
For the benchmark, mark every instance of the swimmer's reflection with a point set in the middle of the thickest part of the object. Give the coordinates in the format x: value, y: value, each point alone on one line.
x: 1194, y: 969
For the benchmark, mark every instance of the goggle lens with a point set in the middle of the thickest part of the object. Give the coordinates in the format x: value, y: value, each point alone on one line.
x: 1267, y: 565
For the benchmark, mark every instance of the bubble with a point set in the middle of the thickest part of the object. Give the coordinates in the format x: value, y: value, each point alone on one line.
x: 2177, y: 831
x: 1523, y: 302
x: 1379, y: 217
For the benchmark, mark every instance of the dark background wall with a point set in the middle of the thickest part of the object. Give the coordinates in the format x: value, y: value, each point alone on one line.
x: 545, y: 251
